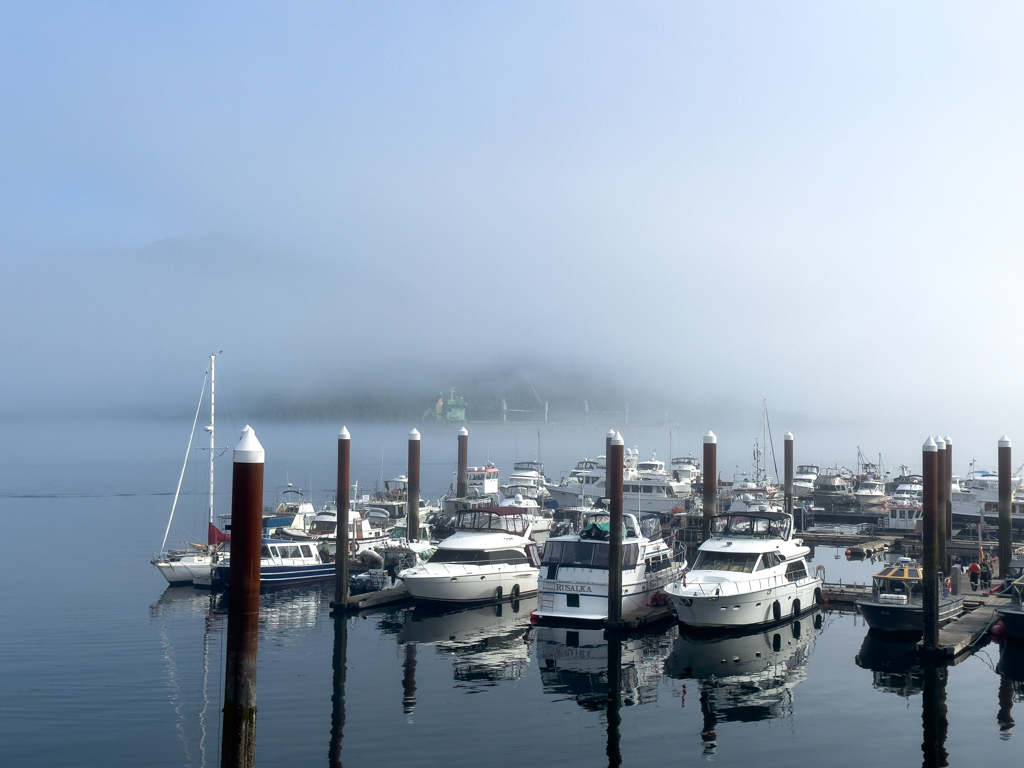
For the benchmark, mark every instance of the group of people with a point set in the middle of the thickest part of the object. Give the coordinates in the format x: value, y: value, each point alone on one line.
x: 979, y: 572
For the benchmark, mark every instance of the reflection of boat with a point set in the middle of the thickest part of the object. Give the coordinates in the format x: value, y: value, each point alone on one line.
x: 489, y: 557
x: 896, y: 601
x: 894, y: 663
x: 574, y: 571
x: 486, y: 644
x: 751, y: 571
x: 574, y: 662
x: 746, y: 678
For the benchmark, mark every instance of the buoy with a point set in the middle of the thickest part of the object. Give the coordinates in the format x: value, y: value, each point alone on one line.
x: 848, y: 553
x: 533, y: 617
x: 998, y: 631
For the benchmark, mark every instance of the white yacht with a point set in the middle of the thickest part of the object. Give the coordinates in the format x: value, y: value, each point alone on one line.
x: 491, y: 556
x: 574, y: 570
x: 979, y: 494
x: 685, y: 470
x: 749, y: 573
x: 870, y: 492
x: 527, y: 480
x: 803, y: 480
x: 649, y: 490
x: 365, y: 529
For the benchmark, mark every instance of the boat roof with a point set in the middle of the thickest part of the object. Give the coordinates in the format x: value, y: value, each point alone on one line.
x: 900, y: 571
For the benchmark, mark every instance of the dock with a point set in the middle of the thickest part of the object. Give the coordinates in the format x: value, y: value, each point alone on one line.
x: 858, y: 544
x: 381, y: 597
x: 844, y: 594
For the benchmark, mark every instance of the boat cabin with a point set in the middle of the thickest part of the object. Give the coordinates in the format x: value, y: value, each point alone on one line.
x: 753, y: 524
x: 274, y: 552
x: 483, y: 481
x: 493, y: 520
x: 897, y: 584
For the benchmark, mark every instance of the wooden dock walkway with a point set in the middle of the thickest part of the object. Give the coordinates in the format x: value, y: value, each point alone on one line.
x: 844, y: 593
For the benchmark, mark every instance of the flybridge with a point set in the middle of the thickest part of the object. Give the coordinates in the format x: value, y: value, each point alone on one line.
x: 496, y: 519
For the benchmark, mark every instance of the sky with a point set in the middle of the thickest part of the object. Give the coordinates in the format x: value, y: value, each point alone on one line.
x: 813, y: 204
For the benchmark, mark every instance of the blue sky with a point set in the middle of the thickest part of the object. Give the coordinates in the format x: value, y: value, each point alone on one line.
x: 826, y: 196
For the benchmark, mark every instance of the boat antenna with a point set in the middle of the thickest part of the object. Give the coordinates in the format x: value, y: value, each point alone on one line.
x: 187, y: 450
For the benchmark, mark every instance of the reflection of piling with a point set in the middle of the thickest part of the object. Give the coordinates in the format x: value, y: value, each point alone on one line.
x: 341, y: 540
x: 1004, y: 717
x: 412, y: 522
x: 614, y: 700
x: 949, y: 501
x: 409, y: 679
x: 339, y: 664
x: 788, y: 487
x: 708, y: 738
x: 1005, y: 493
x: 940, y: 509
x: 462, y: 478
x: 614, y: 489
x: 710, y: 482
x: 930, y: 585
x: 238, y: 738
x: 934, y: 716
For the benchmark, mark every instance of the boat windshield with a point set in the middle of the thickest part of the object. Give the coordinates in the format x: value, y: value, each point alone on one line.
x: 483, y: 520
x: 751, y: 526
x: 478, y: 556
x: 738, y: 562
x: 586, y: 554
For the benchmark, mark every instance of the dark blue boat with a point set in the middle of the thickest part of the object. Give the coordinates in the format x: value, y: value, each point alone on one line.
x: 283, y: 563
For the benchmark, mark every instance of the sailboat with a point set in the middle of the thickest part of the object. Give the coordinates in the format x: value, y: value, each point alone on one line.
x: 185, y: 566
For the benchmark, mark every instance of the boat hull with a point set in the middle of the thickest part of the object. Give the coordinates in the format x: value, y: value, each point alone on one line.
x: 890, y: 617
x: 443, y: 583
x: 590, y: 589
x: 756, y: 608
x: 279, y: 575
x: 1013, y: 620
x: 184, y: 571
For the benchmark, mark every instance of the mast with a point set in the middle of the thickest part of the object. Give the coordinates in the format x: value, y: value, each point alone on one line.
x: 213, y: 359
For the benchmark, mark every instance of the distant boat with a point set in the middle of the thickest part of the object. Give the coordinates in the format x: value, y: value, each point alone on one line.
x: 184, y: 566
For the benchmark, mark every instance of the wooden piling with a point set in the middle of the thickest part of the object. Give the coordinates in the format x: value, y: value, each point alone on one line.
x: 613, y: 749
x: 934, y: 716
x: 710, y: 484
x: 949, y: 501
x: 340, y: 669
x: 409, y: 679
x: 238, y: 735
x: 940, y: 510
x: 462, y: 476
x: 930, y: 580
x: 1005, y: 499
x: 412, y: 516
x: 788, y: 483
x: 341, y: 540
x: 614, y: 463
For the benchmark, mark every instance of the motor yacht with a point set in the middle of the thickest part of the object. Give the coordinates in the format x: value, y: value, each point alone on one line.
x: 685, y: 470
x: 491, y: 556
x: 803, y: 480
x: 896, y: 602
x: 834, y: 489
x: 870, y: 492
x: 573, y: 582
x: 904, y: 507
x: 750, y: 572
x: 649, y: 491
x: 527, y: 480
x: 978, y: 495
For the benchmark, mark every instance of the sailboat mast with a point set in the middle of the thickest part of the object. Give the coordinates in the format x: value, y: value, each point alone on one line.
x: 213, y: 359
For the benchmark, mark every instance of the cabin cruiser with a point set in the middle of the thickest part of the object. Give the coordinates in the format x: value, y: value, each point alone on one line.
x: 574, y: 569
x: 833, y: 489
x: 650, y: 491
x: 904, y: 507
x: 366, y: 528
x: 685, y: 470
x: 483, y: 482
x: 282, y: 563
x: 540, y: 519
x: 870, y: 492
x: 491, y: 556
x: 803, y: 480
x: 979, y: 494
x: 527, y: 480
x: 750, y: 572
x: 896, y: 602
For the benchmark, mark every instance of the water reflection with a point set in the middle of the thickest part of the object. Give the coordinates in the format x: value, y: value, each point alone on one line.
x: 894, y: 663
x: 487, y: 645
x: 1011, y: 686
x: 575, y: 663
x: 745, y: 678
x: 339, y: 666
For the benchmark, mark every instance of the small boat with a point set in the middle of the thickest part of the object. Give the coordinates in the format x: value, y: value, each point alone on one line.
x: 1012, y: 616
x: 896, y: 599
x: 182, y: 567
x: 282, y: 563
x: 905, y: 507
x: 750, y: 572
x: 870, y: 492
x: 574, y: 569
x: 491, y: 556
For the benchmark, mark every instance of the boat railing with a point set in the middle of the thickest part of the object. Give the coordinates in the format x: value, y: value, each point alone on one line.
x: 733, y: 588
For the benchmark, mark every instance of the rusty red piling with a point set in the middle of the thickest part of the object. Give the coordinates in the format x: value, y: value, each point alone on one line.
x: 940, y: 510
x: 341, y: 555
x: 930, y: 582
x: 710, y: 495
x: 412, y: 517
x: 1005, y: 500
x: 949, y: 496
x: 613, y: 461
x: 238, y: 736
x: 788, y: 483
x: 462, y: 476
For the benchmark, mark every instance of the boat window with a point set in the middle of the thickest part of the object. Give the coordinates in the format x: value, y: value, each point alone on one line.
x: 796, y: 571
x: 552, y: 552
x: 264, y: 551
x: 586, y: 554
x: 913, y: 573
x: 650, y: 526
x: 579, y: 553
x: 762, y: 564
x: 273, y: 551
x: 292, y: 551
x: 630, y: 553
x: 739, y: 562
x: 305, y: 550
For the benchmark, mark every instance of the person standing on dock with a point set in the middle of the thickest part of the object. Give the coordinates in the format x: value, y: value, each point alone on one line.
x: 986, y: 575
x: 974, y: 570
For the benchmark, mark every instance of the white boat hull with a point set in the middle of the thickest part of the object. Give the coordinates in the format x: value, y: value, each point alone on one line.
x: 458, y: 583
x: 697, y: 605
x: 186, y: 570
x: 587, y: 588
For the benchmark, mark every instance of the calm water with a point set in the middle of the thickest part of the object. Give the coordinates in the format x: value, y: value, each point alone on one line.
x: 102, y: 664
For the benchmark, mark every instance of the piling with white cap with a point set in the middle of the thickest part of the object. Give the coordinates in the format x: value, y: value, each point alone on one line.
x: 238, y: 736
x: 341, y: 553
x: 462, y: 478
x: 613, y: 461
x: 949, y: 498
x: 930, y: 582
x: 412, y: 521
x: 1005, y: 500
x: 710, y: 487
x: 788, y: 483
x: 940, y: 510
